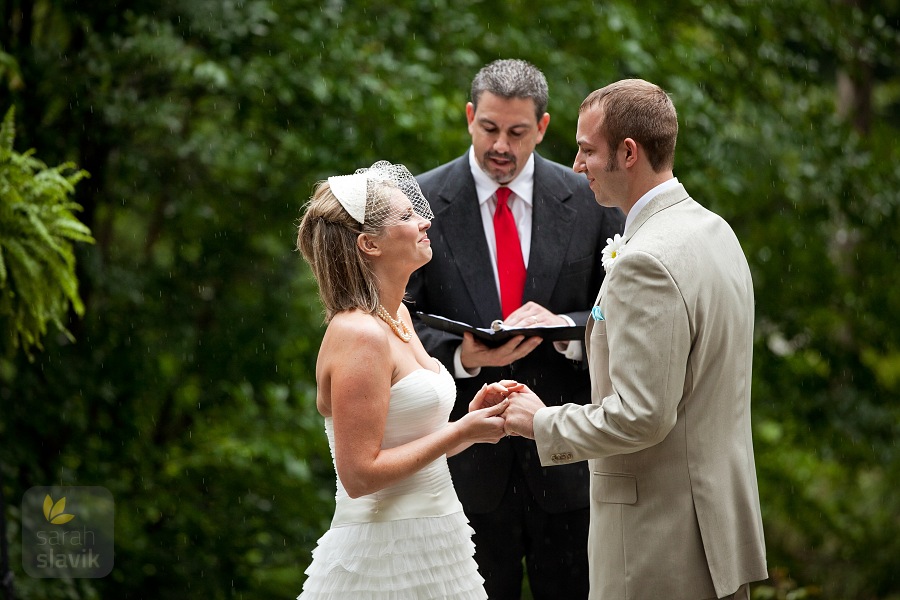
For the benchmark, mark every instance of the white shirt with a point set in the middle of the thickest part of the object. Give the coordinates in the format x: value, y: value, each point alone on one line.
x: 645, y: 199
x: 521, y: 207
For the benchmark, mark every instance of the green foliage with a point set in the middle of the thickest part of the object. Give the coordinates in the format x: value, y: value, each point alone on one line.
x: 37, y: 226
x: 189, y: 391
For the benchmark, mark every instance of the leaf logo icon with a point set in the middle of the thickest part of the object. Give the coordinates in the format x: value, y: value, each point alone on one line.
x: 53, y: 512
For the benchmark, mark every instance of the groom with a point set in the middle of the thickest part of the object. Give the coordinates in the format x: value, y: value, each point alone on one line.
x: 674, y: 503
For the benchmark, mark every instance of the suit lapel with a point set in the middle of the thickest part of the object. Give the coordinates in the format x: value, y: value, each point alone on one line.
x: 657, y: 204
x: 456, y: 210
x: 551, y: 226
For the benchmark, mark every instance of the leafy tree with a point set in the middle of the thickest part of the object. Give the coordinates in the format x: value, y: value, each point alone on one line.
x: 37, y: 225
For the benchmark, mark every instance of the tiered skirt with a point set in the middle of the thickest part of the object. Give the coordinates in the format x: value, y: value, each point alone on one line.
x: 417, y: 559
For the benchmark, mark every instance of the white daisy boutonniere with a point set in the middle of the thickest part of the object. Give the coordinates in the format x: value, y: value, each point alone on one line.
x: 615, y: 246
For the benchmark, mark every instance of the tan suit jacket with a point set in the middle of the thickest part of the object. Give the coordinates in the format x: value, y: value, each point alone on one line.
x: 674, y: 501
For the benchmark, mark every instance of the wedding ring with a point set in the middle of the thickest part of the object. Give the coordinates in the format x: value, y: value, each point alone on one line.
x: 534, y: 320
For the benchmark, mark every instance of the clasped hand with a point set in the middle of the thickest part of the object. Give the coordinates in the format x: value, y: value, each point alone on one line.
x: 511, y: 402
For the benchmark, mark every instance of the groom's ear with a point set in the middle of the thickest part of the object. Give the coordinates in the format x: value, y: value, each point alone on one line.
x: 631, y: 151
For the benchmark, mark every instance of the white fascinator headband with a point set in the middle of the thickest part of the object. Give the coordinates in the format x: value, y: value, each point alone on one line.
x: 368, y: 197
x: 350, y: 190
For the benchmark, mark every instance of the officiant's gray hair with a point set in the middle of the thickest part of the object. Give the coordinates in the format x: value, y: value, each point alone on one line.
x: 512, y: 78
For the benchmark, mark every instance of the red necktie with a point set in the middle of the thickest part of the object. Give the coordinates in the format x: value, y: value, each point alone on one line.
x: 510, y: 265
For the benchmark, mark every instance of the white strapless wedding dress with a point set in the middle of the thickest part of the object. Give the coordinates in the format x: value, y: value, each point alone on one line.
x: 410, y: 540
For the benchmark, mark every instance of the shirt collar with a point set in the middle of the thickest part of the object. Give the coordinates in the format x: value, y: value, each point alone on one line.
x: 646, y: 198
x: 522, y: 186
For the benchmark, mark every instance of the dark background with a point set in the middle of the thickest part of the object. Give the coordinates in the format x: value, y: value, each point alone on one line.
x: 187, y: 387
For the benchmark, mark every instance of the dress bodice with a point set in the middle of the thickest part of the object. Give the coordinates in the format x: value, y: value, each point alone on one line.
x: 420, y: 404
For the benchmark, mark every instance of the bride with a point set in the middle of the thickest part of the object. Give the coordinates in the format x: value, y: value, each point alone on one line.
x: 398, y: 530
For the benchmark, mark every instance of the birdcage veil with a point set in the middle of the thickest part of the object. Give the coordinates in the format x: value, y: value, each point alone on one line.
x: 367, y: 197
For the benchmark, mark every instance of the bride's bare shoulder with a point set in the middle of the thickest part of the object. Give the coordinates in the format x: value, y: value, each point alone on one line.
x: 354, y: 334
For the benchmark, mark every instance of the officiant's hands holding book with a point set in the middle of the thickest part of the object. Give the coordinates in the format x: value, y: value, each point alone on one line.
x: 532, y: 314
x: 475, y: 354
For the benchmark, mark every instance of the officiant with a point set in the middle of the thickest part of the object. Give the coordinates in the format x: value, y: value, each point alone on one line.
x: 515, y: 237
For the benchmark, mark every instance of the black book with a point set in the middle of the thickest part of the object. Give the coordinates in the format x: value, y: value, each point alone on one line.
x: 499, y: 333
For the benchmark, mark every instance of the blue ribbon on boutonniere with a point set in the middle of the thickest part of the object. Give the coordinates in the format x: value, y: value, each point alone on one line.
x: 597, y: 314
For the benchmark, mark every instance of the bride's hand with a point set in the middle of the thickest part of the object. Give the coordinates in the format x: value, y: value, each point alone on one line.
x: 494, y: 393
x: 484, y: 425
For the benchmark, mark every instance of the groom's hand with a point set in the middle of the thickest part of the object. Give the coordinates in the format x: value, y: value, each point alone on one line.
x: 519, y: 415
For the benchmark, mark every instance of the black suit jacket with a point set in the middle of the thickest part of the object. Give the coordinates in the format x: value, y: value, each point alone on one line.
x: 569, y: 231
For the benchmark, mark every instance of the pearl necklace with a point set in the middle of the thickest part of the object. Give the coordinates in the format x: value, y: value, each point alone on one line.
x: 397, y: 325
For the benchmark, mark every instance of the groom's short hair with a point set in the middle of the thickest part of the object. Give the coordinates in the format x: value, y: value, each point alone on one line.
x: 642, y: 111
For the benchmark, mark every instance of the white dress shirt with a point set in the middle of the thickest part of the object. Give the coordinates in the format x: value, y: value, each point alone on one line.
x: 645, y: 199
x: 520, y: 205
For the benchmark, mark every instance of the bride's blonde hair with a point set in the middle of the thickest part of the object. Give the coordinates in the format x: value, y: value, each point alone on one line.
x: 327, y: 237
